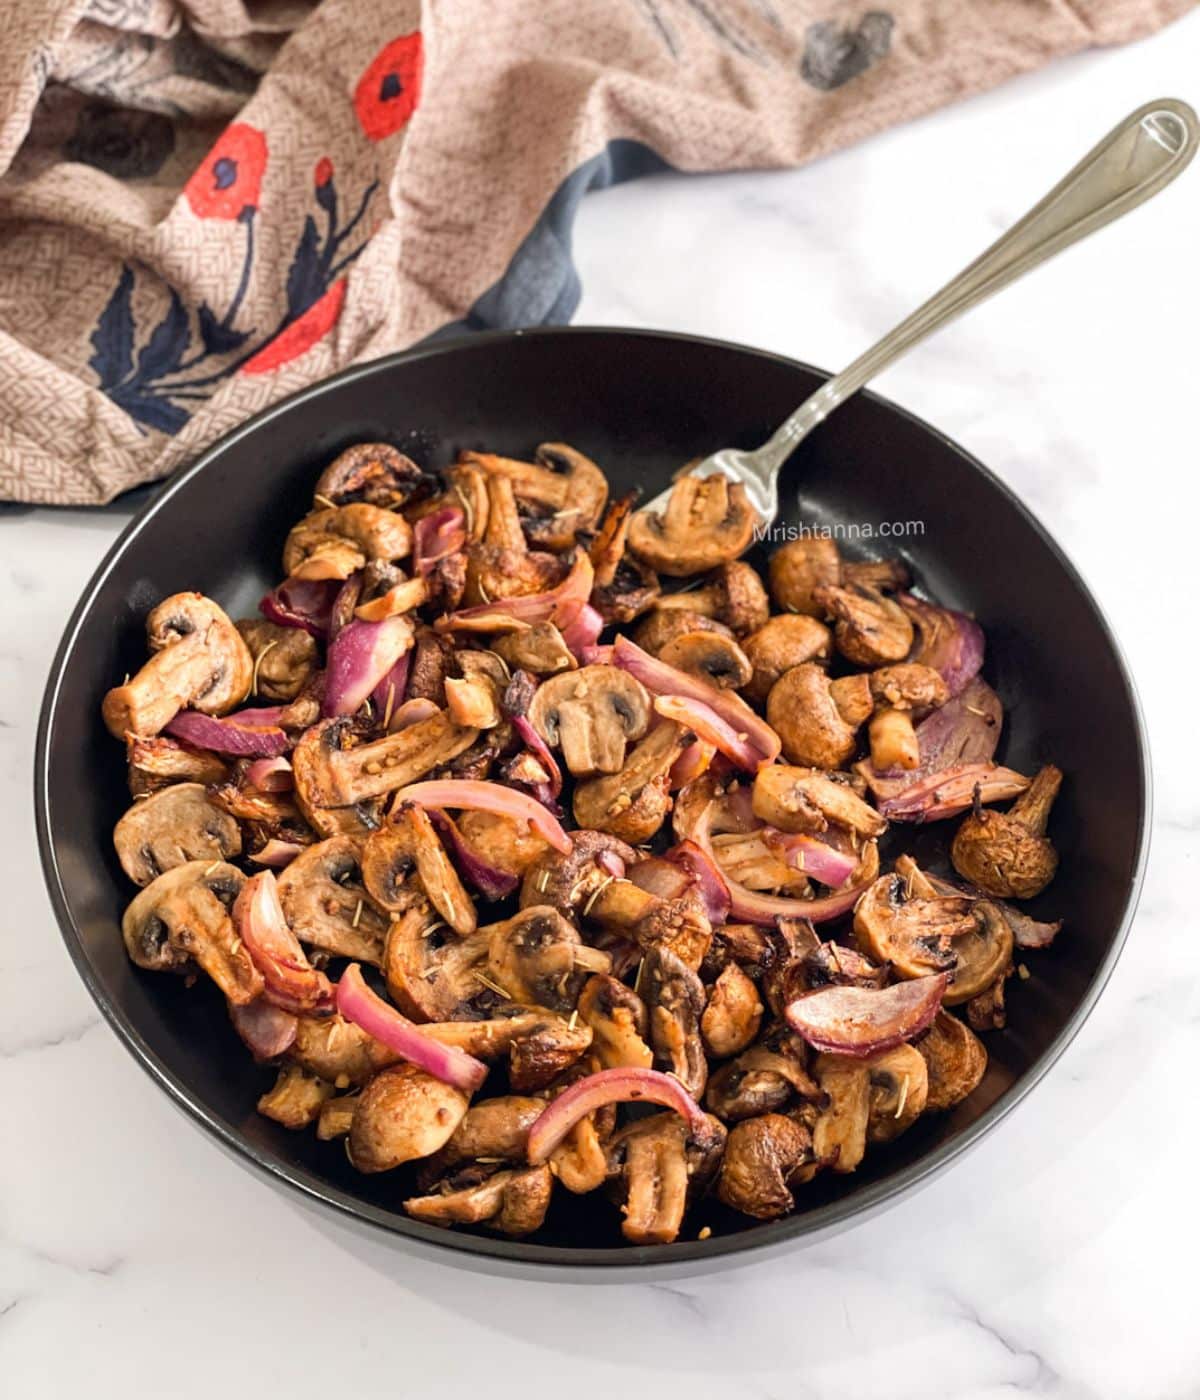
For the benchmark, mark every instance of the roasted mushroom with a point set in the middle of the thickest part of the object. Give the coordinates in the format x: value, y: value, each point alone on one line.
x: 955, y: 1061
x: 622, y: 587
x: 903, y: 921
x: 619, y: 1022
x: 633, y: 803
x: 763, y: 1079
x: 791, y: 639
x: 198, y: 660
x: 375, y: 472
x: 511, y: 1202
x: 674, y: 997
x: 802, y: 566
x: 733, y: 1014
x: 869, y: 629
x: 431, y: 974
x: 407, y: 845
x: 181, y: 920
x: 733, y: 594
x: 334, y: 543
x: 156, y: 762
x: 802, y: 710
x: 338, y: 1051
x: 659, y: 1169
x: 326, y: 904
x: 659, y: 628
x: 762, y: 1157
x: 1007, y: 854
x: 565, y: 488
x: 800, y: 799
x: 495, y: 1130
x: 501, y: 565
x: 590, y: 714
x: 709, y: 656
x: 284, y: 658
x: 539, y: 649
x: 539, y: 958
x: 296, y: 1098
x: 403, y: 1113
x: 707, y: 522
x: 169, y: 827
x: 499, y: 842
x: 840, y: 1134
x: 899, y: 1092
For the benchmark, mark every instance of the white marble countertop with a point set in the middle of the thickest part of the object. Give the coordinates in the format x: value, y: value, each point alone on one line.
x: 1057, y: 1258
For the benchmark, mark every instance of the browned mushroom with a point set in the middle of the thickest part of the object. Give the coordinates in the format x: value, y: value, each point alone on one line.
x: 181, y: 920
x: 433, y: 975
x: 375, y: 472
x: 338, y: 1051
x: 659, y: 1169
x: 804, y: 713
x: 709, y: 656
x: 296, y: 1098
x: 511, y: 1202
x: 285, y: 658
x: 326, y: 904
x: 622, y: 587
x: 799, y: 799
x: 899, y: 1092
x: 708, y: 521
x: 733, y: 594
x: 1007, y: 854
x: 619, y: 1022
x: 405, y: 845
x: 539, y: 649
x: 158, y: 761
x: 674, y: 997
x: 899, y: 692
x: 762, y: 1157
x: 500, y: 842
x: 763, y: 1079
x: 501, y: 565
x: 733, y: 1014
x: 472, y: 702
x: 590, y: 713
x: 869, y: 629
x: 633, y: 803
x: 566, y: 488
x: 334, y: 543
x: 903, y: 921
x: 955, y: 1061
x: 840, y: 1134
x: 539, y: 959
x: 659, y: 628
x: 495, y: 1130
x: 174, y: 825
x: 801, y: 566
x: 791, y: 639
x: 985, y: 1010
x: 403, y: 1113
x: 198, y: 659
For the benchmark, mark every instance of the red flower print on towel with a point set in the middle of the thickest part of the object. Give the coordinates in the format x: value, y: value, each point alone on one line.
x: 301, y: 335
x: 389, y: 90
x: 229, y: 179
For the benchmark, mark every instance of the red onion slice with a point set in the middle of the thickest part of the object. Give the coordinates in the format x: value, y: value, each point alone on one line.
x: 952, y: 791
x: 951, y: 642
x: 704, y: 722
x: 538, y: 747
x: 581, y: 630
x: 266, y: 1030
x: 709, y: 878
x: 609, y: 1086
x: 289, y: 980
x: 388, y: 695
x: 661, y: 679
x: 480, y: 796
x: 491, y: 882
x: 507, y: 614
x: 277, y: 853
x: 863, y: 1021
x: 595, y: 656
x: 301, y: 602
x: 358, y: 1003
x: 270, y: 774
x: 691, y: 763
x: 437, y: 536
x: 360, y: 656
x: 231, y: 735
x: 810, y: 855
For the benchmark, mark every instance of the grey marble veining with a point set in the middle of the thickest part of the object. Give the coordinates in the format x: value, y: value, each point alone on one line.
x: 1058, y: 1258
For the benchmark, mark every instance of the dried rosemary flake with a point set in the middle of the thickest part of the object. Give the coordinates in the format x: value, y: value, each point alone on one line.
x: 706, y: 1233
x: 903, y: 1097
x: 357, y: 914
x: 587, y: 908
x: 324, y: 501
x: 258, y: 660
x: 1023, y: 972
x: 574, y: 1021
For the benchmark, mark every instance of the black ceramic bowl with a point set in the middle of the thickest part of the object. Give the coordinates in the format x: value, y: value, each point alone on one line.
x: 640, y: 404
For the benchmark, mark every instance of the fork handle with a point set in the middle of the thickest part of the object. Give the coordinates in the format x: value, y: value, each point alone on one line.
x: 1135, y: 160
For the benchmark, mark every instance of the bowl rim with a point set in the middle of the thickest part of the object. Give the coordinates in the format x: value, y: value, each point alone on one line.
x: 516, y: 1257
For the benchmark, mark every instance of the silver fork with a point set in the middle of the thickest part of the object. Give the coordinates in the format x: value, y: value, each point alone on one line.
x: 1139, y: 157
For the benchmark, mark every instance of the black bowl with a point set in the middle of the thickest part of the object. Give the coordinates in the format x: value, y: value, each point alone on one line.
x: 641, y: 404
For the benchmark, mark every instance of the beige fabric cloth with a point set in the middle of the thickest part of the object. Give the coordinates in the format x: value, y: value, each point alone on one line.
x: 207, y: 204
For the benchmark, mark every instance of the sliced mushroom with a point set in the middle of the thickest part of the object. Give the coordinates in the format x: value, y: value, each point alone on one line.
x: 909, y: 686
x: 619, y: 1022
x: 328, y: 775
x: 285, y: 658
x: 403, y: 1113
x: 335, y: 543
x: 708, y: 521
x: 805, y: 715
x: 660, y: 1169
x: 170, y: 827
x: 408, y: 843
x: 591, y: 713
x: 182, y: 919
x: 733, y: 594
x: 540, y: 1045
x: 709, y: 656
x: 789, y: 640
x: 869, y: 629
x: 375, y: 472
x: 762, y: 1156
x: 1007, y: 854
x: 431, y: 974
x: 633, y: 803
x: 326, y: 904
x: 155, y: 763
x: 561, y: 481
x: 802, y: 566
x: 198, y: 660
x: 901, y: 920
x: 985, y: 1010
x: 955, y: 1061
x: 762, y: 1079
x: 500, y: 842
x: 509, y: 1202
x: 623, y: 588
x: 501, y: 565
x: 472, y: 703
x: 674, y: 997
x: 899, y: 1092
x: 799, y: 799
x: 296, y: 1098
x: 539, y: 649
x: 733, y: 1014
x: 840, y: 1134
x: 494, y: 1130
x: 893, y: 740
x: 335, y: 1117
x: 655, y: 631
x: 338, y: 1051
x: 539, y: 958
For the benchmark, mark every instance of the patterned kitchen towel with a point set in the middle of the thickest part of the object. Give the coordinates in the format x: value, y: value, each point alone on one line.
x: 207, y: 204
